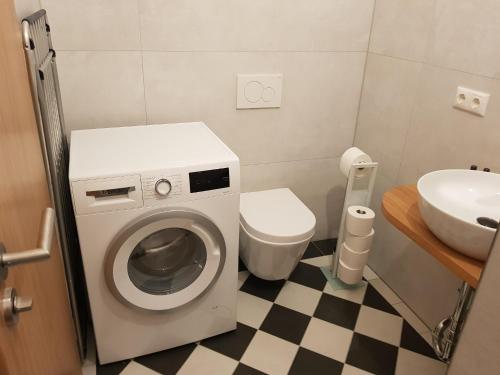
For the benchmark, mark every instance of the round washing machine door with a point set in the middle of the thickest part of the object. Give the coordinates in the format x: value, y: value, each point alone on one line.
x: 165, y: 260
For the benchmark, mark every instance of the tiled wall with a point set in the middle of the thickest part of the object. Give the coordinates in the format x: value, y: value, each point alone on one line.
x: 420, y: 51
x: 477, y: 350
x: 125, y: 62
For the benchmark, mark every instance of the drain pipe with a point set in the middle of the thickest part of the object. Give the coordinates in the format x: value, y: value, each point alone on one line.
x: 446, y: 333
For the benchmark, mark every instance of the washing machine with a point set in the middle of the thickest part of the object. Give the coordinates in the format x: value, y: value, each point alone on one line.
x: 157, y: 212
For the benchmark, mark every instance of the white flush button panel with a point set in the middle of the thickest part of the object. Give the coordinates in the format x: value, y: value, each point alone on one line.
x: 259, y: 91
x: 472, y: 101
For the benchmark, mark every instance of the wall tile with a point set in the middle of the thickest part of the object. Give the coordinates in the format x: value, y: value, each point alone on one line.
x: 318, y: 183
x: 385, y: 111
x: 101, y: 89
x: 477, y: 349
x: 417, y: 277
x: 94, y: 24
x: 439, y: 137
x: 260, y: 25
x: 442, y: 137
x: 26, y: 7
x: 401, y: 28
x: 319, y: 104
x: 465, y: 36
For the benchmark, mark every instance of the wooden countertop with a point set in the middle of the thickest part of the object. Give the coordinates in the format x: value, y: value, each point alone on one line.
x: 400, y: 207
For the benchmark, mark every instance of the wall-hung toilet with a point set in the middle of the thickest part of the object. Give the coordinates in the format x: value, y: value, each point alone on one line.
x: 275, y: 229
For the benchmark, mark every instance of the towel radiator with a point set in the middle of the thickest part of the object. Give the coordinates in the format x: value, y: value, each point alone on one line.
x: 41, y: 61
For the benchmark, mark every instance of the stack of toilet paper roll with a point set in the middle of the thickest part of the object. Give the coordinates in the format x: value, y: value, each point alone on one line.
x: 358, y: 238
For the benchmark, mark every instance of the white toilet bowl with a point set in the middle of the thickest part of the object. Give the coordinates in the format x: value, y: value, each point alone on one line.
x: 275, y: 229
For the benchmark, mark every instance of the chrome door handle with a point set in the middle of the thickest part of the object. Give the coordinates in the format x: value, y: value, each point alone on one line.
x: 12, y: 305
x: 42, y: 252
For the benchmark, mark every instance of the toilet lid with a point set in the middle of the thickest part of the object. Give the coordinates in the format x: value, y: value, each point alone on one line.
x: 276, y: 216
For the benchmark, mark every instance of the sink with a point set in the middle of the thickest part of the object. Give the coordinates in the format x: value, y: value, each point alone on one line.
x: 462, y: 208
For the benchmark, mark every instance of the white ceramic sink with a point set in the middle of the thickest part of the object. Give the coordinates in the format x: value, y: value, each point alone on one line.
x: 452, y: 202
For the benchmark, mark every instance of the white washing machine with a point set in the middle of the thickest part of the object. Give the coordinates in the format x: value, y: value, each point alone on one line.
x: 157, y: 211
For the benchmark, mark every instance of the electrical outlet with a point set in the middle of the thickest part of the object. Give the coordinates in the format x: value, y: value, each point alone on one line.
x: 471, y: 101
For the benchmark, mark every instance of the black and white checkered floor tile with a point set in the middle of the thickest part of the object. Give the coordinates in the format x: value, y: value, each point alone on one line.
x: 303, y: 326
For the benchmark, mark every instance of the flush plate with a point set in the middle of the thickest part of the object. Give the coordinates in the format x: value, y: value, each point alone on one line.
x: 259, y: 91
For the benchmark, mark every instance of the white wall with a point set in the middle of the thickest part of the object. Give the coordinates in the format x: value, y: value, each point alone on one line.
x: 477, y: 349
x: 26, y: 7
x: 420, y: 51
x: 126, y: 62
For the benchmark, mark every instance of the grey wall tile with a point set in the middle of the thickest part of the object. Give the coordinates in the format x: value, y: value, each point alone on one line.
x: 465, y: 36
x: 94, y: 24
x: 317, y: 115
x: 477, y: 349
x: 258, y: 25
x: 401, y: 28
x: 101, y: 89
x: 318, y: 183
x: 442, y: 137
x: 386, y: 108
x: 26, y: 7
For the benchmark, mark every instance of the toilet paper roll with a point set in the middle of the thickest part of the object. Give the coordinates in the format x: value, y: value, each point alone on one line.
x: 359, y: 220
x: 359, y: 243
x: 353, y: 259
x: 351, y: 156
x: 349, y: 275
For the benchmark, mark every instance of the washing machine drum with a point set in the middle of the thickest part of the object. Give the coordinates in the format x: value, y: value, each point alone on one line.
x: 165, y: 260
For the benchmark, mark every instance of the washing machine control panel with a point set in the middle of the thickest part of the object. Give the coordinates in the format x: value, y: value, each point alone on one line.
x: 163, y: 187
x: 157, y: 188
x: 209, y: 179
x: 160, y: 188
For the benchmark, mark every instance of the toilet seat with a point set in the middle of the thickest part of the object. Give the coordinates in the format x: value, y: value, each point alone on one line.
x: 276, y: 216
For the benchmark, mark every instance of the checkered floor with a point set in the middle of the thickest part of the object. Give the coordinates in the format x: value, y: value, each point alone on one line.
x: 303, y: 326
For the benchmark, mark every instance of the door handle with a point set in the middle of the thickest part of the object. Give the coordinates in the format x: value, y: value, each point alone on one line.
x: 42, y: 252
x: 13, y: 305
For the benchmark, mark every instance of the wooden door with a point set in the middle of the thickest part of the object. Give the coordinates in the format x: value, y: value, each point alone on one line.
x: 43, y: 341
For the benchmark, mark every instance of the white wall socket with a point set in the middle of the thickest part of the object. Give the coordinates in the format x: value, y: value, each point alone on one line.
x: 259, y: 91
x: 471, y: 101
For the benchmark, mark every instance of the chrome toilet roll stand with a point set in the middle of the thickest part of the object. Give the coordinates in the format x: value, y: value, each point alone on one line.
x: 359, y: 192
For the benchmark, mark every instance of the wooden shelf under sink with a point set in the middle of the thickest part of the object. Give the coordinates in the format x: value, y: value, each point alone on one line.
x: 400, y: 207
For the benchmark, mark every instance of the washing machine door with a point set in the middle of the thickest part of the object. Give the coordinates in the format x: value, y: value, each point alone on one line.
x: 165, y: 260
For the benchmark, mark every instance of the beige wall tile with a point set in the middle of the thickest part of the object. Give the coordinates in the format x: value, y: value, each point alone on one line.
x: 101, y: 89
x: 477, y: 349
x: 401, y: 28
x: 443, y: 137
x: 318, y: 183
x: 417, y: 277
x: 320, y: 94
x: 386, y: 108
x: 26, y: 7
x: 94, y: 24
x: 280, y: 25
x: 407, y: 123
x: 465, y: 36
x: 317, y: 115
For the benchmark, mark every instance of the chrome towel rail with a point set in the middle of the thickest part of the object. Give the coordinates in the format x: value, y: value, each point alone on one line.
x: 41, y: 59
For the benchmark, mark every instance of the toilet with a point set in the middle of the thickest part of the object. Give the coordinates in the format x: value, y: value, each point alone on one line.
x: 275, y: 229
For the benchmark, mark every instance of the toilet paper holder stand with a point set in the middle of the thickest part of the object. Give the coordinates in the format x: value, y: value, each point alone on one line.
x: 359, y: 192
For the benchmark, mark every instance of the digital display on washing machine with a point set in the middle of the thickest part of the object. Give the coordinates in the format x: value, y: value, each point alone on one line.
x: 209, y: 180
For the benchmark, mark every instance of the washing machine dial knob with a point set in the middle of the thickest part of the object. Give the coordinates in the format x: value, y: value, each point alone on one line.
x: 163, y: 187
